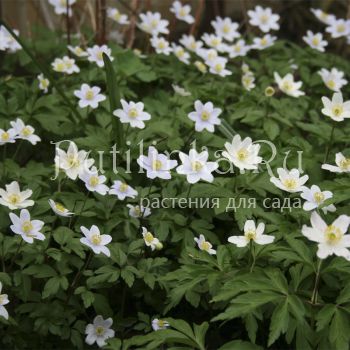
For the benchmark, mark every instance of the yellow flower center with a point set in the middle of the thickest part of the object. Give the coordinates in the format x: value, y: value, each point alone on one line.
x: 100, y: 330
x: 341, y: 28
x: 133, y: 113
x: 27, y: 227
x: 242, y: 154
x: 331, y: 84
x: 161, y: 45
x: 157, y: 164
x: 137, y: 211
x: 96, y: 239
x: 264, y: 19
x: 44, y: 83
x: 180, y: 53
x: 215, y: 42
x: 193, y: 45
x: 78, y: 51
x: 319, y: 197
x: 5, y: 136
x: 205, y: 116
x: 237, y: 48
x: 333, y: 234
x: 247, y: 80
x: 26, y: 131
x: 94, y: 181
x: 205, y: 246
x: 100, y: 55
x: 161, y: 323
x: 60, y: 207
x: 73, y: 161
x: 196, y: 166
x: 269, y: 91
x: 263, y: 41
x: 251, y: 235
x: 290, y: 184
x: 182, y: 12
x: 123, y: 187
x: 226, y: 28
x: 117, y: 16
x: 69, y: 64
x: 287, y: 86
x: 337, y: 110
x: 315, y: 41
x: 212, y: 55
x: 323, y: 16
x: 344, y: 164
x: 60, y: 67
x: 218, y: 67
x: 154, y: 23
x: 201, y: 66
x: 89, y: 95
x: 14, y: 199
x: 149, y: 237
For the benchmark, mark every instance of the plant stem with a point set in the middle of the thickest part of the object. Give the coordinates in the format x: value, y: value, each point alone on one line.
x: 252, y: 252
x: 329, y: 144
x: 317, y: 280
x: 17, y: 150
x: 16, y: 254
x: 189, y: 191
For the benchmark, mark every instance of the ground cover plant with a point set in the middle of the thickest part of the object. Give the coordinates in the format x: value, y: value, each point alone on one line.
x: 187, y: 195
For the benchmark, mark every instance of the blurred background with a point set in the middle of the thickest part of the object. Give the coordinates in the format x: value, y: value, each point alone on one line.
x: 296, y: 17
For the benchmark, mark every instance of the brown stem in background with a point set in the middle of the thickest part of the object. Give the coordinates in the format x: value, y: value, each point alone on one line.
x: 68, y: 26
x: 100, y: 14
x: 131, y: 8
x: 133, y: 18
x: 195, y: 25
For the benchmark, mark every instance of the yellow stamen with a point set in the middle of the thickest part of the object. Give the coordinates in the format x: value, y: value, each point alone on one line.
x: 290, y: 184
x: 94, y: 181
x: 157, y: 164
x: 27, y: 227
x: 5, y: 136
x: 14, y: 199
x: 100, y: 330
x: 123, y: 187
x: 196, y: 166
x: 149, y: 237
x: 242, y: 154
x: 251, y: 235
x: 89, y: 95
x: 133, y: 113
x: 96, y: 239
x: 26, y: 131
x: 319, y: 197
x: 333, y: 234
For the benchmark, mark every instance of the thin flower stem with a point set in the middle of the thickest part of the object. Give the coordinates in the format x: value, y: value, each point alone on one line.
x: 252, y: 252
x: 17, y: 150
x: 4, y: 152
x: 16, y: 254
x: 329, y: 144
x: 317, y: 280
x: 188, y: 191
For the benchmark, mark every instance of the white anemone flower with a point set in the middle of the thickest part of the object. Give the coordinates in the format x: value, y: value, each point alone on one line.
x: 182, y: 12
x: 115, y: 15
x: 204, y: 245
x: 218, y: 67
x: 93, y: 181
x: 132, y: 113
x: 14, y: 198
x: 43, y: 83
x: 248, y: 81
x: 94, y: 240
x: 59, y: 209
x: 73, y: 162
x: 333, y: 79
x: 161, y: 45
x: 208, y: 55
x: 156, y: 164
x: 252, y: 233
x: 289, y: 180
x: 137, y: 211
x: 214, y: 41
x: 71, y: 67
x: 324, y: 17
x: 77, y: 51
x: 336, y: 109
x: 25, y: 227
x: 95, y: 54
x: 190, y: 42
x: 264, y: 19
x: 263, y: 42
x: 225, y: 28
x: 238, y: 49
x: 339, y: 28
x: 244, y: 154
x: 3, y: 301
x: 342, y: 164
x: 196, y: 166
x: 288, y: 85
x: 7, y: 136
x: 25, y: 132
x: 89, y: 96
x: 99, y: 331
x: 315, y: 41
x: 60, y: 6
x: 153, y: 24
x: 12, y: 45
x: 122, y: 190
x: 180, y: 53
x: 4, y: 39
x: 201, y: 66
x: 331, y: 239
x: 314, y: 198
x: 205, y: 116
x: 180, y: 90
x: 150, y: 240
x: 158, y: 324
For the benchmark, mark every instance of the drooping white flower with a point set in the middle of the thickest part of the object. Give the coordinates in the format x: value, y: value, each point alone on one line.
x: 180, y: 90
x: 77, y: 51
x: 288, y: 85
x: 252, y: 233
x: 156, y: 164
x: 196, y: 166
x: 43, y: 83
x: 289, y: 180
x: 315, y: 198
x: 336, y: 109
x: 204, y: 245
x: 150, y: 240
x: 225, y: 28
x: 238, y: 49
x: 93, y: 181
x: 3, y: 301
x: 214, y: 42
x: 158, y: 324
x: 115, y: 15
x: 99, y: 331
x: 60, y: 6
x: 7, y: 136
x: 323, y: 16
x: 137, y: 211
x: 96, y: 54
x: 205, y: 116
x: 59, y: 209
x: 264, y: 42
x: 152, y: 23
x: 264, y: 19
x: 182, y: 12
x: 333, y: 79
x: 58, y: 65
x: 342, y: 164
x: 339, y: 28
x: 315, y: 41
x: 218, y: 67
x: 122, y: 190
x: 25, y: 227
x: 331, y: 239
x: 190, y: 42
x: 13, y: 198
x: 94, y: 240
x: 201, y: 66
x: 132, y: 113
x: 244, y: 154
x: 73, y: 162
x: 71, y: 67
x: 248, y: 81
x: 180, y: 53
x: 89, y: 96
x: 25, y: 132
x: 161, y: 45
